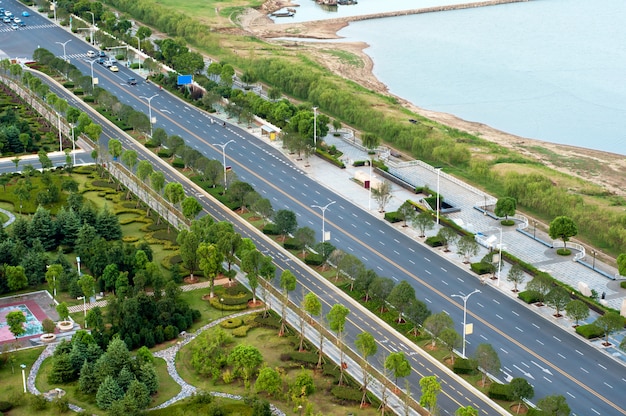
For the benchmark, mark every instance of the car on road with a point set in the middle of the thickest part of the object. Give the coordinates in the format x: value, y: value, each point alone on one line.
x: 100, y: 61
x: 22, y: 24
x: 108, y: 64
x: 8, y: 14
x: 91, y: 54
x: 132, y: 81
x: 17, y: 19
x: 14, y: 26
x: 114, y: 68
x: 6, y: 20
x: 25, y: 14
x: 102, y: 54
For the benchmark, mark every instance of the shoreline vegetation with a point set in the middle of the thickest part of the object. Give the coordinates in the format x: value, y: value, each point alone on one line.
x: 585, y: 184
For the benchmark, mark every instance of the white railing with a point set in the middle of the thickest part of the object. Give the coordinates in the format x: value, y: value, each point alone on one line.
x: 581, y: 249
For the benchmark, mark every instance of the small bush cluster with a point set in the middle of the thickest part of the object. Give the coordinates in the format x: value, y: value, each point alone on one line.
x: 271, y: 321
x: 465, y: 366
x: 347, y: 393
x: 434, y: 241
x: 231, y: 323
x: 293, y: 244
x: 589, y: 331
x: 164, y: 153
x: 529, y: 296
x: 178, y: 163
x: 270, y: 229
x: 499, y: 391
x: 313, y: 259
x: 392, y: 217
x: 304, y: 357
x: 481, y: 268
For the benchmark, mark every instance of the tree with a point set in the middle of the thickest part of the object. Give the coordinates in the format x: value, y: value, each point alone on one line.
x: 210, y: 261
x: 451, y: 340
x: 44, y: 160
x: 16, y: 277
x: 191, y: 207
x: 363, y: 282
x: 447, y: 236
x: 516, y: 276
x: 382, y: 194
x: 564, y: 228
x: 306, y: 237
x: 129, y: 157
x: 370, y: 141
x: 401, y: 295
x: 577, y: 310
x: 467, y: 247
x: 542, y: 284
x: 269, y: 381
x: 115, y: 148
x: 436, y: 323
x: 313, y: 306
x: 245, y: 359
x: 397, y: 363
x: 505, y: 207
x: 609, y: 323
x: 406, y: 212
x: 521, y: 390
x: 380, y: 288
x: 108, y: 393
x: 487, y: 358
x: 188, y: 244
x: 286, y: 222
x: 424, y: 222
x: 557, y: 298
x: 263, y: 207
x: 337, y: 323
x: 63, y: 311
x: 287, y: 284
x: 366, y: 346
x: 16, y: 321
x: 466, y: 411
x: 416, y: 312
x: 430, y: 389
x: 555, y: 405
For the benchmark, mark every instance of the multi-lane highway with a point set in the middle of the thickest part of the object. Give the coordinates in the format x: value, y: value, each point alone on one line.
x: 554, y: 361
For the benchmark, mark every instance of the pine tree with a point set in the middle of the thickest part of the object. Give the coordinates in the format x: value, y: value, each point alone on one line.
x: 88, y: 382
x: 108, y: 392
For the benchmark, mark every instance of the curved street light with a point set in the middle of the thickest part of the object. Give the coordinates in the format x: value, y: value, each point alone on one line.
x: 223, y: 146
x: 465, y: 298
x: 323, y: 209
x: 150, y: 110
x: 63, y: 44
x: 499, y: 253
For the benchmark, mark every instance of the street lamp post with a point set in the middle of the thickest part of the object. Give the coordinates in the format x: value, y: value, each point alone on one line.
x: 534, y: 229
x: 73, y: 143
x: 78, y: 263
x: 23, y: 376
x: 150, y: 110
x: 139, y: 49
x: 499, y: 254
x: 315, y: 127
x: 93, y: 82
x: 465, y: 298
x: 93, y: 26
x: 438, y: 171
x: 60, y: 135
x: 324, y: 208
x: 594, y: 259
x: 222, y: 306
x: 54, y: 284
x: 84, y: 308
x: 63, y: 44
x: 223, y: 146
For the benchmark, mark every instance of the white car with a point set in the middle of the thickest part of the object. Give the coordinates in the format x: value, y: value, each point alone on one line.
x: 91, y: 54
x: 17, y: 20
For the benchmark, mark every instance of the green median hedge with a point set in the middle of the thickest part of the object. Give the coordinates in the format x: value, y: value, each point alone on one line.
x: 392, y: 217
x: 529, y: 296
x: 434, y: 241
x: 465, y: 366
x: 481, y: 268
x: 499, y: 391
x: 293, y: 244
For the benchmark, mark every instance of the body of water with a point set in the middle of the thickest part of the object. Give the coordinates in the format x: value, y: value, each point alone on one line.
x: 552, y: 70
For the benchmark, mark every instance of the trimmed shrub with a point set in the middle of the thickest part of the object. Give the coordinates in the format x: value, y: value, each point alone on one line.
x: 499, y: 391
x: 589, y: 331
x: 481, y: 268
x: 79, y: 91
x: 89, y: 99
x: 434, y: 241
x: 347, y: 393
x: 234, y: 307
x: 68, y: 84
x: 465, y: 366
x: 623, y: 284
x: 150, y: 144
x: 563, y: 251
x: 293, y: 244
x: 231, y: 323
x: 331, y: 370
x: 164, y: 153
x: 358, y: 163
x: 313, y: 259
x: 270, y: 229
x: 178, y: 163
x: 270, y: 321
x: 242, y: 331
x: 392, y: 217
x: 304, y: 357
x: 529, y: 296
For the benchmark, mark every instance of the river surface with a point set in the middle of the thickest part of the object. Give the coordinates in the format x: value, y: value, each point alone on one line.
x: 553, y: 70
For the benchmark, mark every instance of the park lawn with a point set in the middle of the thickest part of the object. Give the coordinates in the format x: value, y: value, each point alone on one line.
x: 168, y: 388
x: 271, y: 347
x: 11, y: 378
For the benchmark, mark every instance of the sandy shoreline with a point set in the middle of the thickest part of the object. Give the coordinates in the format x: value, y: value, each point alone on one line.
x: 613, y: 177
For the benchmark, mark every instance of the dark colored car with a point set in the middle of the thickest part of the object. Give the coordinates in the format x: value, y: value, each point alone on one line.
x: 102, y: 54
x: 132, y: 81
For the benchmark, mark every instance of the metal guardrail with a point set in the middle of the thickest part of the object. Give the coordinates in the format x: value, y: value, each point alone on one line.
x: 581, y: 249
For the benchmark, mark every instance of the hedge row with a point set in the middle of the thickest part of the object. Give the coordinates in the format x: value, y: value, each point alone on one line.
x: 529, y: 296
x: 392, y: 217
x: 481, y: 268
x: 499, y: 391
x: 434, y: 241
x: 347, y: 393
x: 293, y: 244
x: 330, y: 158
x: 465, y: 366
x: 313, y: 259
